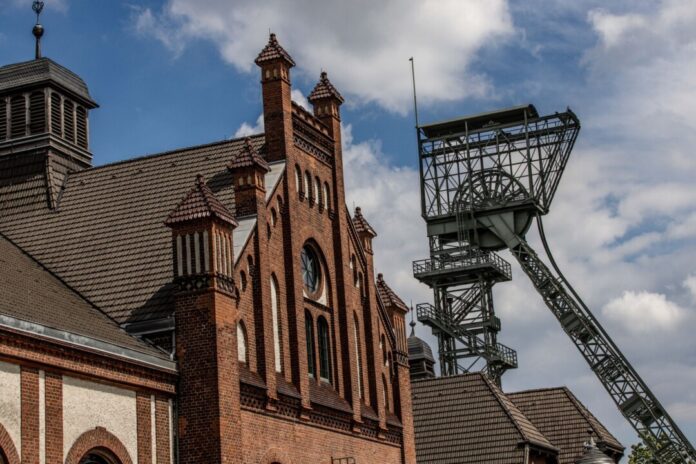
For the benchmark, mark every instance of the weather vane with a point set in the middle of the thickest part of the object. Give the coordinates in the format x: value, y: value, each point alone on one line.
x: 38, y: 30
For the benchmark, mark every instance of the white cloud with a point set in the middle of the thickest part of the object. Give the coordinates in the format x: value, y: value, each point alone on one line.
x: 644, y: 312
x: 690, y: 285
x: 364, y: 44
x: 247, y: 129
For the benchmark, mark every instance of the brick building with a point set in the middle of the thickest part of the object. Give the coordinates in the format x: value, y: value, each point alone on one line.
x: 216, y: 303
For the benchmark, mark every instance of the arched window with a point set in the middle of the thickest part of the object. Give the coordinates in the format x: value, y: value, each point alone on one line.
x: 311, y: 271
x: 37, y: 113
x: 242, y: 343
x: 274, y: 217
x: 324, y: 349
x: 327, y: 198
x: 383, y: 346
x: 309, y: 336
x: 18, y: 127
x: 99, y: 457
x: 243, y: 279
x: 298, y: 178
x: 385, y: 396
x: 2, y: 458
x: 358, y: 353
x: 307, y: 184
x: 317, y: 188
x: 276, y: 325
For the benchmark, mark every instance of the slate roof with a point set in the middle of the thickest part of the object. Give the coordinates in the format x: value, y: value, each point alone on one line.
x: 248, y: 157
x: 200, y: 203
x: 387, y: 295
x: 361, y: 224
x: 40, y: 71
x: 273, y: 51
x: 565, y: 421
x: 467, y: 419
x: 324, y: 89
x: 30, y: 293
x: 107, y: 238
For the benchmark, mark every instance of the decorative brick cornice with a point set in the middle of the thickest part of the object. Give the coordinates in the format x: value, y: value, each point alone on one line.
x: 98, y: 439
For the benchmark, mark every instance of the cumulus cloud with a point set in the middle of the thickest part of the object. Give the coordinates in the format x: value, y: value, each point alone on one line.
x: 643, y: 312
x: 365, y: 45
x: 690, y: 285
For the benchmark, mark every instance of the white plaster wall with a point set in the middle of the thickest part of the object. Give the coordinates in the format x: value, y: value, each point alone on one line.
x: 11, y: 402
x: 87, y: 405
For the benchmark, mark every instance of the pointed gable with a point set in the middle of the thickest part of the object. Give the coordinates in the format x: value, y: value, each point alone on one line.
x: 200, y: 203
x: 324, y: 89
x: 273, y: 51
x: 387, y: 295
x: 361, y: 224
x: 248, y: 157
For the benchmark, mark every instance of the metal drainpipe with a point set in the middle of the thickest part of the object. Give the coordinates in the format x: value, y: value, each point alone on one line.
x: 526, y: 454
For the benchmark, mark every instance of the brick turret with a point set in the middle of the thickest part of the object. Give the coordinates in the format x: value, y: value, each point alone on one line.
x: 275, y: 64
x: 206, y: 318
x: 249, y: 170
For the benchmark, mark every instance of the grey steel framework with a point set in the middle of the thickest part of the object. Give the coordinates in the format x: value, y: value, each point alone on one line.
x: 484, y: 179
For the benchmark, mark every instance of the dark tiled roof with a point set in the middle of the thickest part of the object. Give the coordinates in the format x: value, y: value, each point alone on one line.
x: 273, y: 51
x: 200, y: 203
x: 41, y: 71
x: 32, y: 294
x: 324, y: 89
x: 361, y: 224
x: 387, y: 295
x: 107, y: 238
x: 467, y: 419
x: 248, y: 157
x: 565, y: 421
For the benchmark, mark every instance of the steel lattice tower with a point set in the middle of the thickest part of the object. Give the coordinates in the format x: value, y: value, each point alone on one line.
x: 484, y: 179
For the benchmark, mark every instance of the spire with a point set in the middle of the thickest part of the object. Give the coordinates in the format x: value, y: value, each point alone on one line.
x: 200, y: 203
x: 248, y: 157
x: 324, y: 89
x: 38, y: 30
x: 412, y: 323
x: 273, y: 51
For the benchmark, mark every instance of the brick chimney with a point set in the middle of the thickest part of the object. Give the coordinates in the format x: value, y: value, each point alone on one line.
x: 206, y: 335
x: 275, y: 64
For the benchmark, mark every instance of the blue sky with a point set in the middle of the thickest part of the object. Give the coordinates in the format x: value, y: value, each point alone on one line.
x: 180, y: 72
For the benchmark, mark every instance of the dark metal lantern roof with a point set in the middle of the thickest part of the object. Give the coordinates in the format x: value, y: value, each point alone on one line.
x: 419, y: 349
x: 480, y: 120
x: 594, y: 455
x: 44, y: 71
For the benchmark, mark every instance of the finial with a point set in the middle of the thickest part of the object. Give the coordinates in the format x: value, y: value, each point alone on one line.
x: 412, y: 323
x: 323, y: 75
x: 199, y: 179
x: 38, y: 29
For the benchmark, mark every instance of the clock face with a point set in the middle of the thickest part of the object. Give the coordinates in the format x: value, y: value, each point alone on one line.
x: 311, y: 275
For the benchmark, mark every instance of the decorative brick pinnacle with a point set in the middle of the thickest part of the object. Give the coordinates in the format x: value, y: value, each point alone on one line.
x: 200, y: 203
x: 248, y: 157
x: 272, y: 52
x: 361, y: 224
x: 324, y: 89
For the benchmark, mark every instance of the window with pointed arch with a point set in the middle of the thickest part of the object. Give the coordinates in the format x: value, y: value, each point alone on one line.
x: 385, y: 397
x: 298, y: 178
x: 327, y: 198
x: 324, y: 349
x: 2, y: 458
x: 317, y: 191
x: 309, y: 338
x: 307, y: 184
x: 99, y: 457
x: 311, y: 268
x: 275, y: 314
x: 358, y: 353
x: 242, y: 343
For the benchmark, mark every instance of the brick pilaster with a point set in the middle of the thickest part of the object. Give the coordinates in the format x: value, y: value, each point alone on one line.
x: 30, y: 415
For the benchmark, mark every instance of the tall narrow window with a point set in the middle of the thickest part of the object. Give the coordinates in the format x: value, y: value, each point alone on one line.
x: 3, y: 119
x: 81, y: 125
x: 298, y: 178
x: 56, y: 115
x: 309, y: 336
x: 276, y: 325
x: 317, y: 188
x: 327, y: 199
x: 241, y: 343
x: 69, y: 121
x: 18, y: 127
x: 324, y: 350
x: 358, y: 354
x: 385, y: 390
x: 37, y: 113
x: 307, y: 184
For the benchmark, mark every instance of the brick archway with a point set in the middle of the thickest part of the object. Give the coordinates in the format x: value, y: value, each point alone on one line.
x: 7, y: 447
x: 275, y: 456
x: 98, y: 439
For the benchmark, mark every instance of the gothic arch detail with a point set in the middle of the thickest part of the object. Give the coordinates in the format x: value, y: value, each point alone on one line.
x: 275, y: 456
x: 7, y: 447
x: 98, y: 439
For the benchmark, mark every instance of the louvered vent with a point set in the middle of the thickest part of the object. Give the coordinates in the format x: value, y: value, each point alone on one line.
x: 56, y: 116
x: 81, y: 119
x: 3, y: 119
x: 69, y: 121
x: 37, y: 113
x: 18, y: 117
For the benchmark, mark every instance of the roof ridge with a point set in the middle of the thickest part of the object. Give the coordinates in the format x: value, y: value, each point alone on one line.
x: 533, y: 390
x: 166, y: 153
x: 586, y: 414
x: 78, y: 293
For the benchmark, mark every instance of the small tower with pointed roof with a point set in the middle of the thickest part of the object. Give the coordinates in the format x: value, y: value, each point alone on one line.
x: 248, y: 170
x: 206, y: 316
x: 364, y: 230
x: 420, y: 356
x: 275, y: 64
